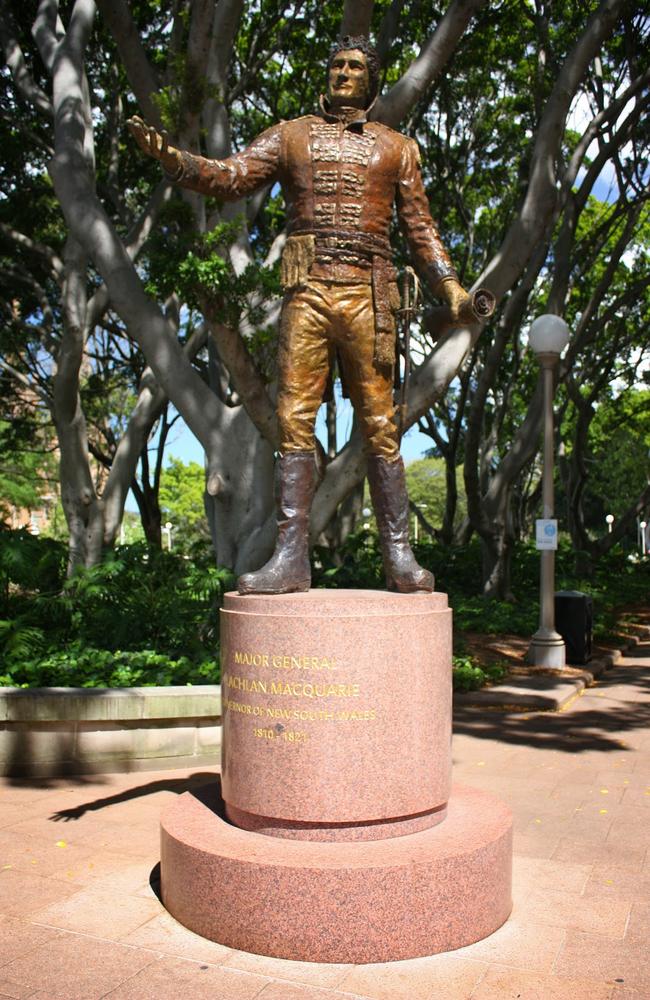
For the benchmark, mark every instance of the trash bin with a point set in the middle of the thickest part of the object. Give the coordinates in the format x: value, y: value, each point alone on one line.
x: 574, y: 620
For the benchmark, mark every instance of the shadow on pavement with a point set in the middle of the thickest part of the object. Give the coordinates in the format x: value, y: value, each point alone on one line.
x: 190, y: 782
x: 582, y: 726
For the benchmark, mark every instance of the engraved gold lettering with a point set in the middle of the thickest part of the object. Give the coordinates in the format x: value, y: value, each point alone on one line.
x: 242, y: 708
x: 283, y: 661
x: 252, y: 659
x: 367, y: 715
x: 300, y: 689
x: 246, y: 684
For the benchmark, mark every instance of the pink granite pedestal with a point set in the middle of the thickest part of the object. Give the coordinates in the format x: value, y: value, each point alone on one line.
x: 332, y: 836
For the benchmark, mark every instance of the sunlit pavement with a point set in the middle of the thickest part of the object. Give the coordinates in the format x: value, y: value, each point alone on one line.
x: 80, y: 918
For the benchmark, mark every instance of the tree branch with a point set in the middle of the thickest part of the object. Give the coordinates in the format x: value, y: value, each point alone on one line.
x: 392, y: 107
x: 23, y: 80
x: 540, y: 199
x: 134, y: 242
x: 27, y: 383
x: 34, y: 247
x: 246, y: 378
x: 139, y: 70
x: 357, y: 15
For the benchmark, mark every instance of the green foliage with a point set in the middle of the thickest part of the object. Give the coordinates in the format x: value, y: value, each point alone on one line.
x: 469, y: 676
x: 356, y: 564
x: 89, y: 667
x: 182, y: 489
x: 426, y: 484
x: 617, y: 583
x: 140, y: 617
x: 620, y: 455
x: 27, y: 467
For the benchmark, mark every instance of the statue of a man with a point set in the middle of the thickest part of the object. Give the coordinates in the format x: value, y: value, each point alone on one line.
x: 341, y: 175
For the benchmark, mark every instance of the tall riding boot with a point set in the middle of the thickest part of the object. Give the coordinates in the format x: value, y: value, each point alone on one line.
x: 391, y: 503
x: 288, y: 569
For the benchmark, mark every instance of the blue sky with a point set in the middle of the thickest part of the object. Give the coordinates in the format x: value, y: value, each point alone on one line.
x: 182, y: 443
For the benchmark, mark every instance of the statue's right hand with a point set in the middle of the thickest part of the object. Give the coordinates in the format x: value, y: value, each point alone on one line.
x: 154, y: 144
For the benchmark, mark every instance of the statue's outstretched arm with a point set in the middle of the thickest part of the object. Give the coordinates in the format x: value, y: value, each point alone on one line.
x: 235, y: 177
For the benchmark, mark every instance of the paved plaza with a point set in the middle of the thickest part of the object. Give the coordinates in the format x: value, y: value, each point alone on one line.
x: 80, y: 918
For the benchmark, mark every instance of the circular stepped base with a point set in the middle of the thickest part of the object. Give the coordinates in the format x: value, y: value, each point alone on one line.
x: 371, y: 901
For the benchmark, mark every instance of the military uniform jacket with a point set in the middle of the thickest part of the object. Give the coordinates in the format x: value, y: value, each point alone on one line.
x: 340, y: 181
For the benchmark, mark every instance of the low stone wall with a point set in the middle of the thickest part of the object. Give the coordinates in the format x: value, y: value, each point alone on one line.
x: 46, y: 732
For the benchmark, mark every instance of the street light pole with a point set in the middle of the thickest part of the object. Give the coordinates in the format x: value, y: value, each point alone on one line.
x: 548, y: 336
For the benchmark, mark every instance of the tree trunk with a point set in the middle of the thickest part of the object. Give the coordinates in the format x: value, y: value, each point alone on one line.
x: 497, y: 559
x: 82, y: 507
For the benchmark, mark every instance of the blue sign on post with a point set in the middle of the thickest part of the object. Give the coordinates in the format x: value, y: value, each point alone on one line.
x: 546, y: 533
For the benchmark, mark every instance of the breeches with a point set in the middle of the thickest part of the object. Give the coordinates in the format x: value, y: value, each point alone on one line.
x: 318, y: 320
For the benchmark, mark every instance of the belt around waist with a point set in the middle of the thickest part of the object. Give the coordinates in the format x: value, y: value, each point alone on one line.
x: 365, y: 244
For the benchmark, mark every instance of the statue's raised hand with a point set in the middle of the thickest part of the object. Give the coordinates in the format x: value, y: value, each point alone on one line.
x: 155, y: 144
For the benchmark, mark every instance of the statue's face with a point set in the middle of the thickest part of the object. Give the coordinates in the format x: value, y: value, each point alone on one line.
x: 349, y: 81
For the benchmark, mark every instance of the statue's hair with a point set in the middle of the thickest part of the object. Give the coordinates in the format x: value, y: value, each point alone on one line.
x: 362, y: 43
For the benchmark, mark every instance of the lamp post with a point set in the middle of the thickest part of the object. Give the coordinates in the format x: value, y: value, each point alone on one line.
x: 168, y: 530
x: 610, y: 520
x: 416, y: 523
x: 548, y: 337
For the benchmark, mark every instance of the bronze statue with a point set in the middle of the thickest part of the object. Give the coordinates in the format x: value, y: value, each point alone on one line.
x: 341, y: 175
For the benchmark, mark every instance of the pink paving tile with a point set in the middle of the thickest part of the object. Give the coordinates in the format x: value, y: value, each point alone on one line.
x: 579, y: 793
x: 77, y: 967
x: 502, y: 984
x: 14, y: 991
x: 520, y: 944
x: 614, y: 882
x: 638, y: 931
x: 631, y: 828
x: 169, y: 978
x: 628, y: 775
x: 98, y: 911
x: 538, y: 844
x: 17, y: 937
x: 544, y: 873
x: 291, y: 991
x: 41, y: 857
x: 445, y: 977
x: 25, y: 791
x: 597, y: 957
x: 562, y: 909
x: 548, y: 810
x: 309, y: 973
x: 552, y: 829
x: 22, y: 893
x: 637, y: 798
x: 11, y: 813
x: 599, y: 853
x: 100, y: 866
x: 166, y: 935
x: 43, y: 828
x: 132, y: 877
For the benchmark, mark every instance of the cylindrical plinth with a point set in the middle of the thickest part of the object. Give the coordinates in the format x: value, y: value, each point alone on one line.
x: 336, y: 713
x: 378, y: 901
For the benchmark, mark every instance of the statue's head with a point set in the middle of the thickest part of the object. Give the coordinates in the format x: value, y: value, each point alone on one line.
x: 353, y: 72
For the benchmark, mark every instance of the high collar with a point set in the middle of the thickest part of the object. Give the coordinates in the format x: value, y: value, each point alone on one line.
x: 346, y: 116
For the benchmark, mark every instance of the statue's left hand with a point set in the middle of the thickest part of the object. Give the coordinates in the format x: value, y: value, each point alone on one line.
x: 459, y: 301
